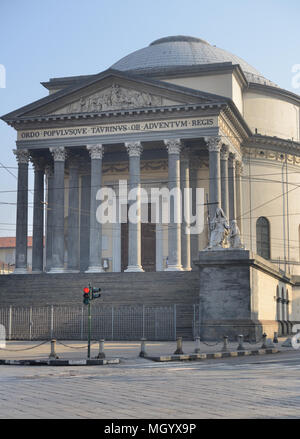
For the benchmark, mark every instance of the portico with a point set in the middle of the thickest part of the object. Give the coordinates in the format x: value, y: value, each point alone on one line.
x: 81, y: 152
x: 67, y: 165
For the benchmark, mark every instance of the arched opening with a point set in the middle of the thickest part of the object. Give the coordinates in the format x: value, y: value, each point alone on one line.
x: 263, y: 237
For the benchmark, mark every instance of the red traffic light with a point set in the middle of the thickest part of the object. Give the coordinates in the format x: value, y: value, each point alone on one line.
x: 86, y: 290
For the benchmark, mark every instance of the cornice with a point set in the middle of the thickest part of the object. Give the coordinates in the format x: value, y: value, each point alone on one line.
x: 272, y: 143
x: 197, y: 70
x: 271, y: 148
x: 275, y: 91
x: 18, y: 123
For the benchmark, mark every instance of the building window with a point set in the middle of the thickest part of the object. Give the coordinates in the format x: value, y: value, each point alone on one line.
x: 263, y: 237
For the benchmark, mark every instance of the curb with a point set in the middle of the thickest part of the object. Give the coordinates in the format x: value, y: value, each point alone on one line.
x: 191, y: 357
x: 92, y: 362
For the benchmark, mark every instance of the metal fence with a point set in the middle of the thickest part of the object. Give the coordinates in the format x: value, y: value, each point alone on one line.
x: 111, y: 322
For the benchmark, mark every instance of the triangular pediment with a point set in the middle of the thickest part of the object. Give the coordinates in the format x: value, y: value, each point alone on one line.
x: 113, y: 90
x: 115, y: 97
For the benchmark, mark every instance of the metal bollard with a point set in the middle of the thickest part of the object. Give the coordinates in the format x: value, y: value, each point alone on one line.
x: 143, y: 348
x: 275, y: 339
x: 197, y: 348
x: 264, y: 341
x: 179, y: 350
x: 225, y: 344
x: 101, y: 349
x: 53, y: 355
x: 240, y: 343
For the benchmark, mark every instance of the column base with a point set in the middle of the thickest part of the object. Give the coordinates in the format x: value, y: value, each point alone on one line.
x: 134, y: 269
x: 187, y: 268
x: 95, y: 269
x: 55, y: 270
x: 174, y: 268
x: 20, y: 271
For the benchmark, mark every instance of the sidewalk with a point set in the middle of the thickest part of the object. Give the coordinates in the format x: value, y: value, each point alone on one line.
x: 124, y: 350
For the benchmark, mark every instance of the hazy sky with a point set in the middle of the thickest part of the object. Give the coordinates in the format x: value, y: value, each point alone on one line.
x: 43, y: 39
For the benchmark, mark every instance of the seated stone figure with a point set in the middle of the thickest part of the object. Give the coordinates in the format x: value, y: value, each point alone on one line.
x: 219, y: 230
x: 235, y: 235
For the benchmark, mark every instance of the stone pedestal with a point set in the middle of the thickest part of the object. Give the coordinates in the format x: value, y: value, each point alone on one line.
x: 237, y: 294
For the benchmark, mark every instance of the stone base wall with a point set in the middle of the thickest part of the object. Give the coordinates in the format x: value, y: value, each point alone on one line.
x: 157, y: 289
x: 233, y: 301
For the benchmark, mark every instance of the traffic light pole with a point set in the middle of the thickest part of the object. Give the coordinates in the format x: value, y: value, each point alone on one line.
x: 89, y: 330
x: 90, y: 293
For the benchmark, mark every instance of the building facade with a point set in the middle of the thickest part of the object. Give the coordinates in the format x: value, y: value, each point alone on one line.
x: 177, y: 114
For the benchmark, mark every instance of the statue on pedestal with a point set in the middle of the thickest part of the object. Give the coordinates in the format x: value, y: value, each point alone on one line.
x: 219, y: 229
x: 235, y: 235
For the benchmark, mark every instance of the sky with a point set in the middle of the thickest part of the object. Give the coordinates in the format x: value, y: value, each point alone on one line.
x: 44, y: 39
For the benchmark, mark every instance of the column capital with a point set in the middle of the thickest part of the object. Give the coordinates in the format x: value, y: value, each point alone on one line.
x: 232, y: 160
x: 22, y: 156
x: 38, y: 163
x: 134, y: 149
x: 49, y: 170
x: 224, y: 153
x: 96, y: 151
x: 185, y: 154
x: 58, y: 153
x: 239, y: 169
x: 74, y: 161
x: 214, y: 143
x: 174, y: 146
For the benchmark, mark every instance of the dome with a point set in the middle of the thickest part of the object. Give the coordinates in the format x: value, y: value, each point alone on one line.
x: 179, y: 51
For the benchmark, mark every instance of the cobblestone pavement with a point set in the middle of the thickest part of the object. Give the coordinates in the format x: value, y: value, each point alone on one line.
x: 254, y: 387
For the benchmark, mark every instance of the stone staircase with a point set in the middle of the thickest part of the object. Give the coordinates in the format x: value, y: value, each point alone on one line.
x: 152, y: 288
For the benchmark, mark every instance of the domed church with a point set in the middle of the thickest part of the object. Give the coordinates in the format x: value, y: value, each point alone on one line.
x: 180, y: 114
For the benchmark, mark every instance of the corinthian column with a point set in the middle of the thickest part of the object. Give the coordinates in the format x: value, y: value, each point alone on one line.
x: 214, y: 146
x: 73, y: 216
x: 238, y: 174
x: 185, y: 225
x: 38, y: 215
x: 231, y: 187
x: 134, y: 150
x: 49, y: 216
x: 174, y: 226
x: 224, y: 179
x: 58, y: 244
x: 95, y: 257
x: 22, y: 211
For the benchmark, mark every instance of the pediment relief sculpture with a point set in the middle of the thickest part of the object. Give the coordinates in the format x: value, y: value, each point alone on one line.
x: 114, y: 98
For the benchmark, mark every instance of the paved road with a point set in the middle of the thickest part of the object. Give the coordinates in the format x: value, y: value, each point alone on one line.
x: 252, y: 387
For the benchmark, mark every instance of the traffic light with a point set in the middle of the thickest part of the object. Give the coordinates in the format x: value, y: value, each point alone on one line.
x: 90, y: 293
x: 96, y: 293
x: 86, y: 295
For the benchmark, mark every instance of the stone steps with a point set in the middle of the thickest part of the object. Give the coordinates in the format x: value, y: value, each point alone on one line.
x: 152, y: 289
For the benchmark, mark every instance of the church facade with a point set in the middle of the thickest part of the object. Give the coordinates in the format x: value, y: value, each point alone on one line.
x: 179, y: 114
